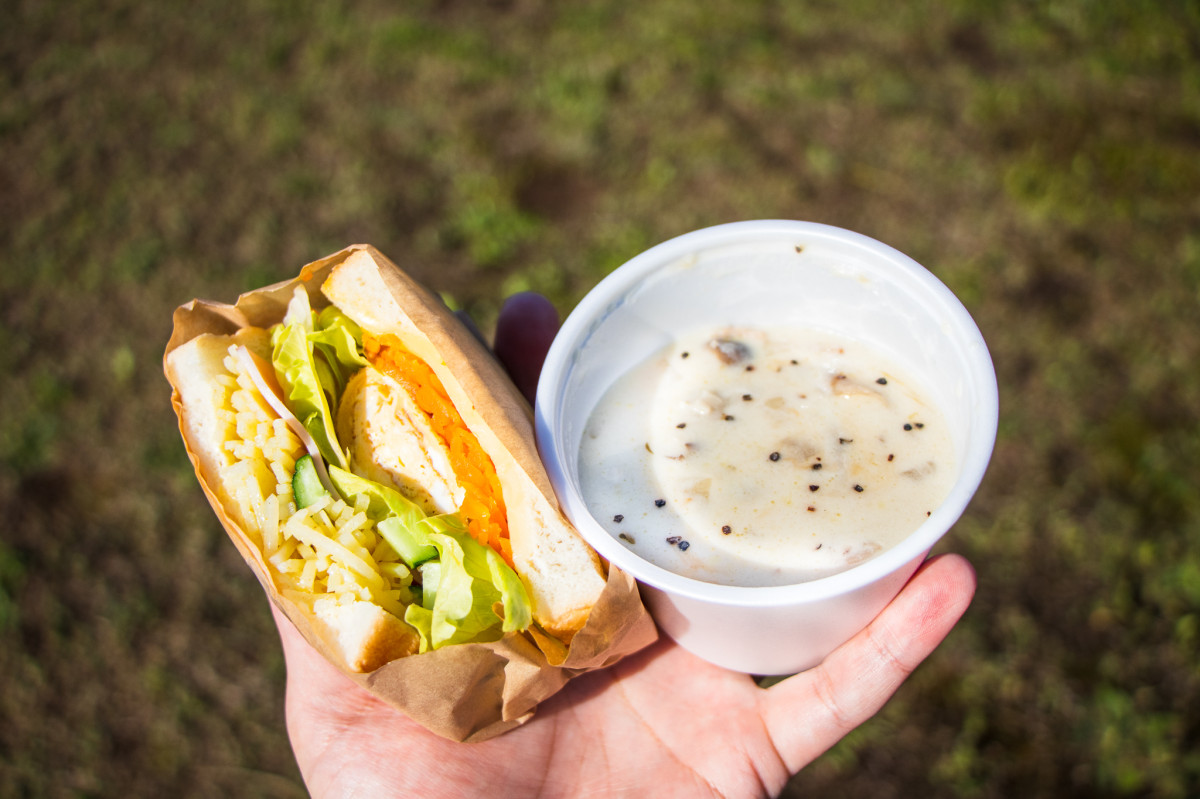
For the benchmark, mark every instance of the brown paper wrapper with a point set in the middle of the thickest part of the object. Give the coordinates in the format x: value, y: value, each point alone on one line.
x: 465, y: 692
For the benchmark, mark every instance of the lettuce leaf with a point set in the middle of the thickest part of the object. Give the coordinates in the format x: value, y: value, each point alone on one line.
x: 337, y: 349
x: 298, y: 375
x: 303, y: 392
x: 472, y: 594
x: 315, y: 355
x: 475, y: 583
x: 420, y: 619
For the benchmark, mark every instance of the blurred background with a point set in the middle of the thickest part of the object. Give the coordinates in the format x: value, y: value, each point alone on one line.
x: 1041, y: 157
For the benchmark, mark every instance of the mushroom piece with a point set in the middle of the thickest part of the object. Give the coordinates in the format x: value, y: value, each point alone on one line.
x: 728, y: 350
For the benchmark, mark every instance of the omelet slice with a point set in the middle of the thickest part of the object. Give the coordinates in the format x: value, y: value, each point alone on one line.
x: 391, y: 442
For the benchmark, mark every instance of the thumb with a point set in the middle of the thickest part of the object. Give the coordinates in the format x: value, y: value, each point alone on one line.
x: 857, y: 679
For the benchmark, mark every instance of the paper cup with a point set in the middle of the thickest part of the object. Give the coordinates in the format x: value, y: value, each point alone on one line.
x: 778, y: 273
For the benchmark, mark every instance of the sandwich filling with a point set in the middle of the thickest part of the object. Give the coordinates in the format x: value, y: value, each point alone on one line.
x: 328, y: 550
x: 338, y: 526
x: 482, y: 508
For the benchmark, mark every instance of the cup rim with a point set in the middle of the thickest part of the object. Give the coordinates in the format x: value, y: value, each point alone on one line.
x: 578, y: 327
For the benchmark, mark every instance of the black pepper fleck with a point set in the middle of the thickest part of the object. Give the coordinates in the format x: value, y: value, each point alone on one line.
x: 920, y: 425
x: 812, y: 508
x: 746, y: 397
x: 907, y: 426
x: 814, y: 488
x: 681, y: 425
x: 626, y: 537
x: 820, y: 545
x: 618, y: 518
x: 774, y: 456
x: 683, y: 545
x: 891, y: 458
x: 684, y: 354
x: 882, y: 381
x: 658, y: 503
x: 845, y: 440
x: 674, y: 539
x: 727, y: 529
x: 858, y: 488
x: 728, y: 417
x: 817, y: 467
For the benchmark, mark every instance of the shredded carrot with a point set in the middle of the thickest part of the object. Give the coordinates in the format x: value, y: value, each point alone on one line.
x: 482, y: 508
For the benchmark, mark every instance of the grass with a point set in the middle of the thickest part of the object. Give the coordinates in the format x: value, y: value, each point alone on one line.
x: 1042, y: 158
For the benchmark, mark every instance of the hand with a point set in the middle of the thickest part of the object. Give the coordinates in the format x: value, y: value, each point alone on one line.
x: 659, y: 723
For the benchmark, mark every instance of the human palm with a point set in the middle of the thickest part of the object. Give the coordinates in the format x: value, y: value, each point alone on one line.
x: 661, y: 722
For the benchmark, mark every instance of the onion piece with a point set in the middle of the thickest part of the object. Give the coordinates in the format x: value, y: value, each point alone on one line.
x: 268, y: 386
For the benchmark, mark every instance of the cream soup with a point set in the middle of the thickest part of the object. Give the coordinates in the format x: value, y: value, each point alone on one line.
x: 764, y: 456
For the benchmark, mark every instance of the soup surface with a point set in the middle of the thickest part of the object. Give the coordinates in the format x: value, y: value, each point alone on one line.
x: 764, y: 456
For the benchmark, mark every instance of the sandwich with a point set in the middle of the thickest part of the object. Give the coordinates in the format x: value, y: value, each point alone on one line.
x: 376, y: 468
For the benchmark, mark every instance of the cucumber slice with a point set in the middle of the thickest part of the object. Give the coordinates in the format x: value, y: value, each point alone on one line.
x: 410, y: 550
x: 306, y: 483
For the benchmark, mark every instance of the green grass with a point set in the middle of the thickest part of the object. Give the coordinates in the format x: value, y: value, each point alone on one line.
x: 1042, y: 158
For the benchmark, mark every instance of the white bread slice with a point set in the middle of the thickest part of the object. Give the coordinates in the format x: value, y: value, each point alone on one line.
x: 364, y: 635
x: 563, y: 574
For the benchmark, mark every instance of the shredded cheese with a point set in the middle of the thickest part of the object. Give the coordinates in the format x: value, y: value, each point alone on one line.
x: 327, y: 552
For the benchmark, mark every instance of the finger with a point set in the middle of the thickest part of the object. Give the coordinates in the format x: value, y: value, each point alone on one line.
x: 528, y: 323
x: 808, y: 713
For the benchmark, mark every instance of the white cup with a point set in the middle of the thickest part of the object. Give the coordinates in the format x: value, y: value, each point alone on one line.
x: 769, y: 272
